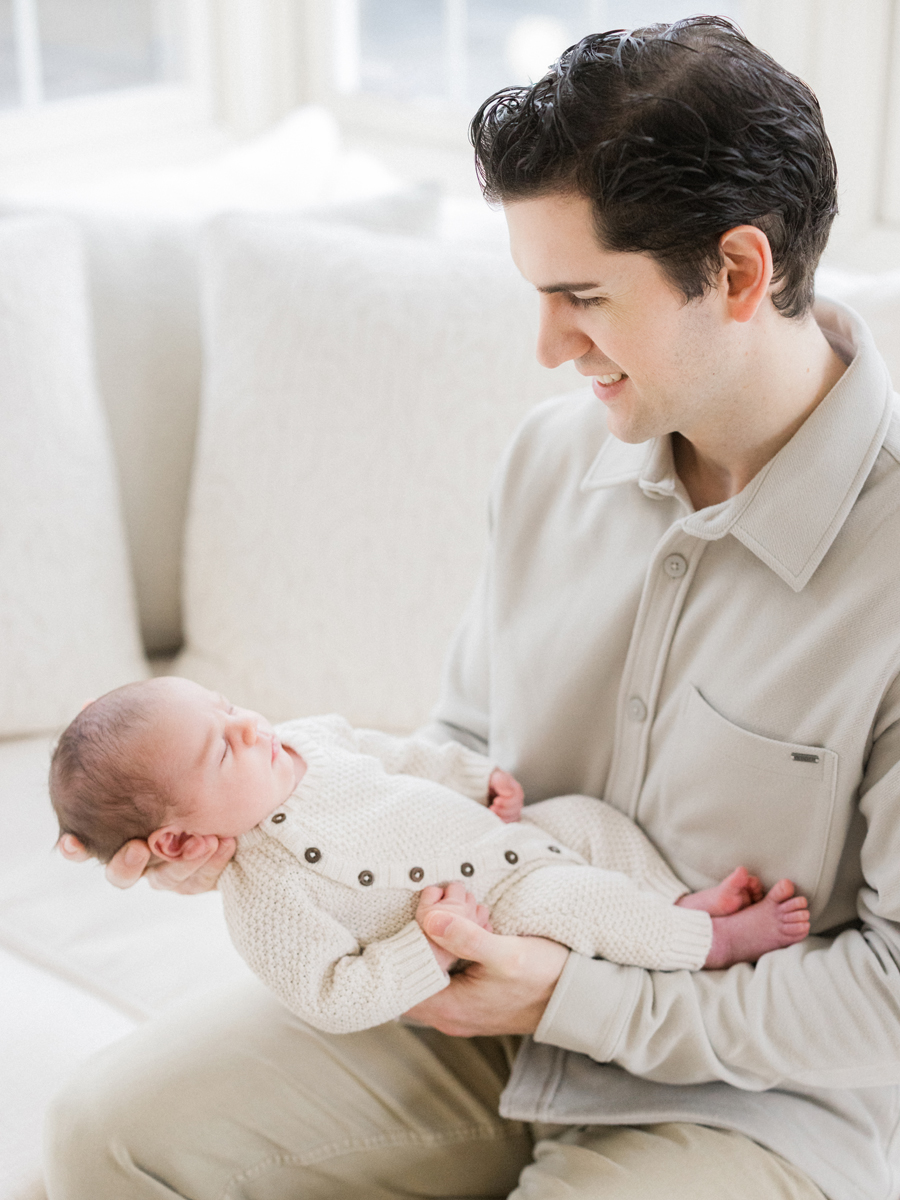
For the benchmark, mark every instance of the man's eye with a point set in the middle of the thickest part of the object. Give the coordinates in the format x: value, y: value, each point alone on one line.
x: 585, y: 301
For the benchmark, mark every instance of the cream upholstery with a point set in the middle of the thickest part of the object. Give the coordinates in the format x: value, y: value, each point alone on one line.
x: 67, y: 619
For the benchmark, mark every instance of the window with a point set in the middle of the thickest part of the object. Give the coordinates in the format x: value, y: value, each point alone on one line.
x: 408, y: 74
x: 457, y: 52
x: 57, y: 49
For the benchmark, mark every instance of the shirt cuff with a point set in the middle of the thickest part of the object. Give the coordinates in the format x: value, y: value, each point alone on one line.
x: 590, y: 1007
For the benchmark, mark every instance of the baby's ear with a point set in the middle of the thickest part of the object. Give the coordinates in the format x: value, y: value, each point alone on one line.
x: 170, y: 842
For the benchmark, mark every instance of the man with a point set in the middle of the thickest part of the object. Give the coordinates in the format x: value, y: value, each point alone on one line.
x: 695, y: 618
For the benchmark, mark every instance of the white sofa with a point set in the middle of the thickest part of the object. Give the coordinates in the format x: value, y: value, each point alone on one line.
x: 357, y: 390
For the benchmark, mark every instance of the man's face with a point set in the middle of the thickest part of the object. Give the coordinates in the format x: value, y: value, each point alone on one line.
x: 225, y: 765
x: 658, y: 364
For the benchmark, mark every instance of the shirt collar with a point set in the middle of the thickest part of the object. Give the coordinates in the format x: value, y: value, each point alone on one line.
x: 790, y: 513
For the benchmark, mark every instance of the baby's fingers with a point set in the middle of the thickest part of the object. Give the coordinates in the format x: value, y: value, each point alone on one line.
x: 430, y: 896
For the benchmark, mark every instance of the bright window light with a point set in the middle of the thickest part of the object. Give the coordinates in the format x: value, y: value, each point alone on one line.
x: 59, y: 49
x: 457, y: 52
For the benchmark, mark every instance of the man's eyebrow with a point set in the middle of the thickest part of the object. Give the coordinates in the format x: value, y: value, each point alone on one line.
x: 568, y: 287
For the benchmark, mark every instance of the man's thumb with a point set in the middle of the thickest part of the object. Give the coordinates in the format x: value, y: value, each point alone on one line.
x: 460, y: 936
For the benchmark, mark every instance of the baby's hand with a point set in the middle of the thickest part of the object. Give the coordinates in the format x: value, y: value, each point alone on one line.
x: 456, y: 900
x: 505, y: 795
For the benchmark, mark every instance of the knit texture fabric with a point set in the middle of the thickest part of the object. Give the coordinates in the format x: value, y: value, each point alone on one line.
x: 320, y: 897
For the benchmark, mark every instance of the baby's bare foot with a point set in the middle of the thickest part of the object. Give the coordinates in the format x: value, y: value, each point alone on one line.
x: 738, y: 891
x: 778, y: 920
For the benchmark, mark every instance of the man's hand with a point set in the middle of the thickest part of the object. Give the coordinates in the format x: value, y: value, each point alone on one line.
x: 197, y: 871
x: 505, y: 796
x: 504, y: 990
x: 455, y: 901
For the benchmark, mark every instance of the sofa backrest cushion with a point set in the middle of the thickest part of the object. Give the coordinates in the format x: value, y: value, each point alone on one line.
x: 142, y: 232
x: 877, y: 300
x: 68, y: 629
x: 359, y: 390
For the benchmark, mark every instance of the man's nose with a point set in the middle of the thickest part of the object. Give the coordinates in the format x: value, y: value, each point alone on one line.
x: 559, y: 337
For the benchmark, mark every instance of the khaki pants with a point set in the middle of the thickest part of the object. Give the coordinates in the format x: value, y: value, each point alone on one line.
x: 232, y: 1098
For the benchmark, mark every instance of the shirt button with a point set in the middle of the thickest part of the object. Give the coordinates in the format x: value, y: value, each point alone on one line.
x: 637, y: 709
x: 511, y: 857
x: 366, y: 878
x: 416, y: 874
x: 278, y: 818
x: 313, y: 854
x: 675, y: 566
x: 467, y: 869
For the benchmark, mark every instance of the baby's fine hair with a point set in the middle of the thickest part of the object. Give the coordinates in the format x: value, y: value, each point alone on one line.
x: 103, y: 787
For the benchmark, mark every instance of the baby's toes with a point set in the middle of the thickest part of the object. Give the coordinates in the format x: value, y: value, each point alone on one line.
x: 781, y: 891
x: 755, y: 889
x: 794, y: 924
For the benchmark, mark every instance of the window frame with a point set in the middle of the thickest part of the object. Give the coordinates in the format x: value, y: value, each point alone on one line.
x: 810, y: 37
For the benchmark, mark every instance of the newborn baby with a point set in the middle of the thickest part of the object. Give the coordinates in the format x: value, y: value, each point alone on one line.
x: 348, y: 837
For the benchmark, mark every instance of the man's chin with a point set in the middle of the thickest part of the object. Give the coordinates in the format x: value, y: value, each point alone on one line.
x: 631, y: 432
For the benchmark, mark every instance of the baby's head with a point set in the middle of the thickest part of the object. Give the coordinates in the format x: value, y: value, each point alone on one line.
x: 167, y: 761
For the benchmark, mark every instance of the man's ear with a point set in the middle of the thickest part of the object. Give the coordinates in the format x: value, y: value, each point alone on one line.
x: 170, y: 842
x: 747, y: 264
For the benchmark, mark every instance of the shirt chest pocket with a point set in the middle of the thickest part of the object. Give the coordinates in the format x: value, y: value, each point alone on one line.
x: 728, y: 796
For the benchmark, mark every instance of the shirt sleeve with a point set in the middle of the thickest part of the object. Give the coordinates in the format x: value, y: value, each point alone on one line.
x: 824, y: 1013
x: 451, y: 763
x: 312, y: 963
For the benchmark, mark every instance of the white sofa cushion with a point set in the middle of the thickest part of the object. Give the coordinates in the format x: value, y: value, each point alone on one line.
x: 67, y: 615
x: 142, y: 232
x: 876, y: 297
x: 359, y: 391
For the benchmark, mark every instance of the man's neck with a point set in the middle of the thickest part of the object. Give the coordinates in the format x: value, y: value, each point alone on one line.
x: 789, y: 372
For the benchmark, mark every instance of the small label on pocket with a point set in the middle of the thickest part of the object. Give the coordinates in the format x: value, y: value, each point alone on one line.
x: 813, y: 758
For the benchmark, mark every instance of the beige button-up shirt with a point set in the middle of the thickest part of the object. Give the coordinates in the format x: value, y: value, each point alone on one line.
x: 729, y: 679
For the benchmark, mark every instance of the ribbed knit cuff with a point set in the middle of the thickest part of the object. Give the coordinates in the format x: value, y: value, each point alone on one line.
x: 590, y: 1006
x: 417, y: 969
x: 691, y: 939
x: 660, y: 877
x: 474, y: 773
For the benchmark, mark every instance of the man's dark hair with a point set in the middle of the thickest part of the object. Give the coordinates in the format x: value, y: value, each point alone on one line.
x: 675, y: 133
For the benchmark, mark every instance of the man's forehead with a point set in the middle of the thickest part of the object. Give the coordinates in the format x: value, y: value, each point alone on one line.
x: 554, y: 244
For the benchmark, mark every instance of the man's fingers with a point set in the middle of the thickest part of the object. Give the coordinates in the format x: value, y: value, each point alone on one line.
x: 71, y: 848
x: 205, y: 878
x: 461, y: 937
x: 127, y: 865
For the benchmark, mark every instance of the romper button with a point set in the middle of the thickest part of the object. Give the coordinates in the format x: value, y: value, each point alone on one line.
x: 637, y: 709
x: 278, y: 818
x: 313, y: 854
x: 511, y: 857
x: 467, y: 869
x: 675, y: 566
x: 366, y: 878
x: 417, y: 874
x: 555, y: 849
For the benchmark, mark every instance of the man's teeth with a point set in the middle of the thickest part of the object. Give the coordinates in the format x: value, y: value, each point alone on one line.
x: 607, y: 379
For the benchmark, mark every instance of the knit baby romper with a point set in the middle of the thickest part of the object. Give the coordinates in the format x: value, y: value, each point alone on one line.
x: 321, y: 896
